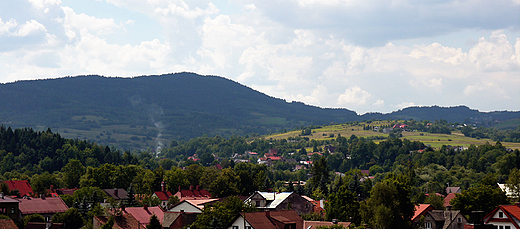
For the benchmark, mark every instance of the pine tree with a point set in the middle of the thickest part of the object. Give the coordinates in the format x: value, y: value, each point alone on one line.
x: 154, y: 223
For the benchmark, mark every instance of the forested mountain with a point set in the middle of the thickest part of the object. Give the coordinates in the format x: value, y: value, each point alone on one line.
x: 145, y: 111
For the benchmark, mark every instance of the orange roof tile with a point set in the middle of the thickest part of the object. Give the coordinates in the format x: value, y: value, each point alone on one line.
x: 421, y: 209
x: 448, y: 198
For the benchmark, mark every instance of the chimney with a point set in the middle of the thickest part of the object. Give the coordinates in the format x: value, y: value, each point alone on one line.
x: 123, y: 208
x: 163, y: 186
x: 116, y: 192
x: 42, y: 196
x: 145, y: 207
x: 2, y: 195
x: 334, y: 221
x: 179, y: 188
x: 198, y: 187
x: 267, y: 214
x: 191, y: 187
x: 182, y: 211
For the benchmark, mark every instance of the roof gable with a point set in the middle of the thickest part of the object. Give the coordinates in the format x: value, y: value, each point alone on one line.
x: 117, y: 193
x: 421, y: 209
x: 510, y: 212
x: 272, y: 219
x: 163, y: 196
x: 186, y: 206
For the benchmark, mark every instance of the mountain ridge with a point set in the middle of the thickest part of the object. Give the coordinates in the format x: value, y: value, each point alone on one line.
x: 179, y: 106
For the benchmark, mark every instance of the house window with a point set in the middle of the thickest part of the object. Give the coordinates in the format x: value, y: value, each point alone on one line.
x: 459, y: 220
x: 12, y: 210
x: 507, y: 227
x: 428, y: 225
x: 500, y: 215
x: 248, y: 227
x: 258, y: 203
x: 235, y: 227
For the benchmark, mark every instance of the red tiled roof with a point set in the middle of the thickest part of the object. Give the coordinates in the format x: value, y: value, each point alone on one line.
x: 23, y: 186
x: 265, y: 220
x: 514, y: 210
x: 42, y: 206
x: 316, y: 224
x: 143, y: 214
x: 275, y: 158
x: 448, y: 198
x: 163, y: 196
x: 421, y: 209
x: 7, y: 224
x: 201, y: 193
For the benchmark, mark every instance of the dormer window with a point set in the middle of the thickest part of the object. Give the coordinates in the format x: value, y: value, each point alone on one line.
x: 500, y: 215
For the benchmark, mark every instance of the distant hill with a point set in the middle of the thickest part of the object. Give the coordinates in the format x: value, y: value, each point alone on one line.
x: 460, y: 114
x: 139, y: 112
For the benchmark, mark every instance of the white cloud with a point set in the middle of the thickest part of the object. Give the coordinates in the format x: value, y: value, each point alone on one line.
x: 367, y: 56
x: 44, y: 3
x: 495, y: 54
x: 436, y: 52
x: 379, y: 102
x: 405, y: 105
x: 29, y: 27
x: 5, y: 27
x: 353, y: 95
x: 76, y: 22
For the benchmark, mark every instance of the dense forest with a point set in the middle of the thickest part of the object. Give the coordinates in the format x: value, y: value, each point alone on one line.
x: 146, y: 111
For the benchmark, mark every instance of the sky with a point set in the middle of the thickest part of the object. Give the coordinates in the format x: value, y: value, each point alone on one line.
x: 363, y: 55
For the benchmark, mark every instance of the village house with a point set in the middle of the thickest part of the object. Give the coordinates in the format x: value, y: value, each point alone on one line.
x: 143, y: 214
x: 192, y: 206
x: 504, y: 217
x: 286, y: 219
x: 118, y: 194
x: 45, y: 206
x: 280, y: 201
x: 163, y: 195
x: 9, y: 207
x: 438, y: 219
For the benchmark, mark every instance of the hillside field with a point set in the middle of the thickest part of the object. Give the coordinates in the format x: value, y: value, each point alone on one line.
x: 456, y: 138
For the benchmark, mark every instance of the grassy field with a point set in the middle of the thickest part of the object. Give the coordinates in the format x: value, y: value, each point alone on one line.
x: 434, y: 140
